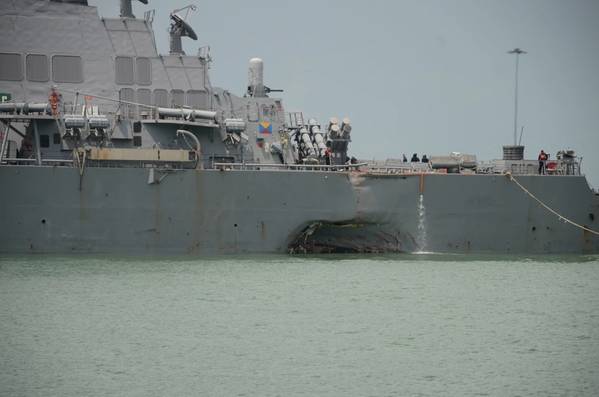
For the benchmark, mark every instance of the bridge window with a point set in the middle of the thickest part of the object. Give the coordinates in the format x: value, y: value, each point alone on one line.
x: 123, y: 67
x: 144, y: 96
x: 37, y: 67
x: 144, y: 71
x: 178, y: 97
x: 161, y: 98
x: 11, y: 67
x: 197, y: 99
x: 67, y: 69
x: 128, y: 95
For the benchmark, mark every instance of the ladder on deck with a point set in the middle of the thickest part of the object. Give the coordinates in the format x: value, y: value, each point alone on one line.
x: 4, y: 140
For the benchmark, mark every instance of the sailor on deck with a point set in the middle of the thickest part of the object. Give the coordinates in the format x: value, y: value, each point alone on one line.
x: 543, y: 157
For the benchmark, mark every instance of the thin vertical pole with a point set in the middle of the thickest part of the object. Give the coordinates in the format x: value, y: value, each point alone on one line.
x: 38, y: 149
x: 516, y: 103
x: 516, y: 51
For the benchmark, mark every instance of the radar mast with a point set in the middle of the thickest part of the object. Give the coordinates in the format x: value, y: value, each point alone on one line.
x: 180, y: 28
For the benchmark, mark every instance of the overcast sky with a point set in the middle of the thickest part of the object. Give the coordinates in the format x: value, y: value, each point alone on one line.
x: 414, y: 76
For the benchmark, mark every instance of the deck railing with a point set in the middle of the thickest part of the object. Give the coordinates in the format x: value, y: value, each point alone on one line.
x: 285, y: 167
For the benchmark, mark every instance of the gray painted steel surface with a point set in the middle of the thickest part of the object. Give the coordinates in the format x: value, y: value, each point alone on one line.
x: 109, y: 69
x: 216, y: 212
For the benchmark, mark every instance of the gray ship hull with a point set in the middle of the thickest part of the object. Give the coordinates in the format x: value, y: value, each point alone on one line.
x: 212, y: 212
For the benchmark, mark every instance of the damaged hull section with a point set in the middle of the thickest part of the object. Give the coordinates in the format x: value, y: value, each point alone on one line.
x: 209, y: 212
x: 344, y: 237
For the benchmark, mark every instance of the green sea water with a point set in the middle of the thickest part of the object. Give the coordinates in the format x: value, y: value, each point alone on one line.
x: 413, y: 325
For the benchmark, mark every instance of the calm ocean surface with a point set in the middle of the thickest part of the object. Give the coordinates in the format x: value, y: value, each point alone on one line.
x: 413, y: 325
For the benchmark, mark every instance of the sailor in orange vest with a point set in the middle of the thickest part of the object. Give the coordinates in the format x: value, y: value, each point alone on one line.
x: 542, y: 161
x: 55, y: 99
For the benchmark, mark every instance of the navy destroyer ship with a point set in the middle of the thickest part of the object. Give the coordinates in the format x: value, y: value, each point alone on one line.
x: 107, y: 146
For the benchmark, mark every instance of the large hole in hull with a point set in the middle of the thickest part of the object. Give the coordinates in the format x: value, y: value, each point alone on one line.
x: 344, y: 237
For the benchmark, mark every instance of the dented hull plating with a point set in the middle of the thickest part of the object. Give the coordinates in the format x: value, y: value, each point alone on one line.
x: 210, y: 212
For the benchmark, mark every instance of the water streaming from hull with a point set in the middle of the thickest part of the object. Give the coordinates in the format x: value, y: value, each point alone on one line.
x: 421, y: 238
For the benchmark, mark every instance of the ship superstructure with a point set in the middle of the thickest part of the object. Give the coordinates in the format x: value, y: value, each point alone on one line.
x: 109, y: 146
